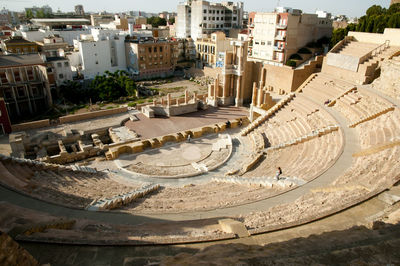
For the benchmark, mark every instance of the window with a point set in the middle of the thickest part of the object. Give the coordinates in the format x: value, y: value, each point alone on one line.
x: 209, y: 11
x: 21, y: 92
x: 222, y: 12
x: 33, y: 49
x: 205, y: 18
x: 269, y: 42
x: 262, y: 43
x: 141, y: 58
x: 149, y: 49
x: 205, y: 11
x: 160, y: 49
x: 66, y: 64
x: 217, y: 18
x: 234, y: 18
x: 59, y: 64
x: 25, y: 50
x: 213, y: 18
x: 155, y: 49
x: 60, y: 76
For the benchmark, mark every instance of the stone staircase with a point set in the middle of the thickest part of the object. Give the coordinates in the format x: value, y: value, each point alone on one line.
x: 261, y: 119
x: 270, y: 182
x: 123, y: 199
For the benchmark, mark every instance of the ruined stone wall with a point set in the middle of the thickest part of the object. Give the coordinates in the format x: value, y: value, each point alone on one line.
x: 90, y: 115
x: 30, y: 125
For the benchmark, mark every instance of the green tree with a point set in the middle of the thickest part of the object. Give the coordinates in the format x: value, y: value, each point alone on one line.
x: 29, y: 14
x: 72, y: 92
x: 171, y: 20
x: 156, y: 21
x: 112, y: 86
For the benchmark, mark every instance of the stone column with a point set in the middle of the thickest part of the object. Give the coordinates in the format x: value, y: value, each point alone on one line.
x: 260, y: 96
x: 194, y: 97
x: 186, y: 96
x: 254, y: 98
x: 225, y: 92
x: 154, y: 102
x: 168, y: 99
x: 216, y: 88
x: 239, y: 98
x: 162, y: 101
x: 210, y: 91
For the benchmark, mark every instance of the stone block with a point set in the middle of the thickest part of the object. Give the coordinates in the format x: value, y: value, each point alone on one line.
x: 235, y: 227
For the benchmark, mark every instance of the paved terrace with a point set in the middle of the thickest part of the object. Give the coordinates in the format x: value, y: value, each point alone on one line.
x: 159, y: 126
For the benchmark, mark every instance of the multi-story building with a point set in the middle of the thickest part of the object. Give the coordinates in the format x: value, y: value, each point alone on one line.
x: 149, y: 58
x: 79, y: 10
x: 18, y: 45
x: 61, y: 68
x: 197, y: 18
x: 211, y: 51
x: 98, y: 52
x: 25, y: 85
x: 276, y: 36
x: 392, y: 2
x: 51, y: 45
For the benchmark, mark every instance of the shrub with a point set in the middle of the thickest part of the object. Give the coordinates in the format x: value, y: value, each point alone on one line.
x: 132, y: 104
x: 291, y: 63
x: 304, y: 51
x: 295, y: 57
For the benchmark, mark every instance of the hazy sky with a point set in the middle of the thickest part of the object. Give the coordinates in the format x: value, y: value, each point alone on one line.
x: 348, y: 7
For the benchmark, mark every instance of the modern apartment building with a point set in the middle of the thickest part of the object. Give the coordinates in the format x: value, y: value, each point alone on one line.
x: 149, y: 58
x: 278, y: 35
x: 97, y: 53
x: 197, y: 19
x: 211, y: 51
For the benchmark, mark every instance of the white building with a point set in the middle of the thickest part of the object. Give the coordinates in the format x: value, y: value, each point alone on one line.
x: 197, y: 19
x: 68, y: 35
x: 278, y: 35
x: 100, y: 51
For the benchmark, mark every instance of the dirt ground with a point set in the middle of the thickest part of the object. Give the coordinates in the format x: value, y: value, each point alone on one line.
x: 178, y: 87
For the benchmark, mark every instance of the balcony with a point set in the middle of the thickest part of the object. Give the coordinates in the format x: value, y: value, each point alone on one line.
x: 280, y: 38
x: 281, y: 27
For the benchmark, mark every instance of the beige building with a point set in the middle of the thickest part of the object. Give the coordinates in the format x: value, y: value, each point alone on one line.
x: 210, y: 51
x: 150, y: 58
x: 52, y: 45
x: 392, y: 2
x: 278, y: 35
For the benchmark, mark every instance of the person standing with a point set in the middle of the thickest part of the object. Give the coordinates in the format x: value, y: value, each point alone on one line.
x: 278, y: 173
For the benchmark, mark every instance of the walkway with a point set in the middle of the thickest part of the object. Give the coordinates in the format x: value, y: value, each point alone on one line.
x: 343, y: 163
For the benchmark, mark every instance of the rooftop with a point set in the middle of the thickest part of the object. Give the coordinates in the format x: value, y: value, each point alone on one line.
x: 19, y: 60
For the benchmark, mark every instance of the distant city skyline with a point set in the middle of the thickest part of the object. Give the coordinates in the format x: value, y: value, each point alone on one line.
x: 352, y: 8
